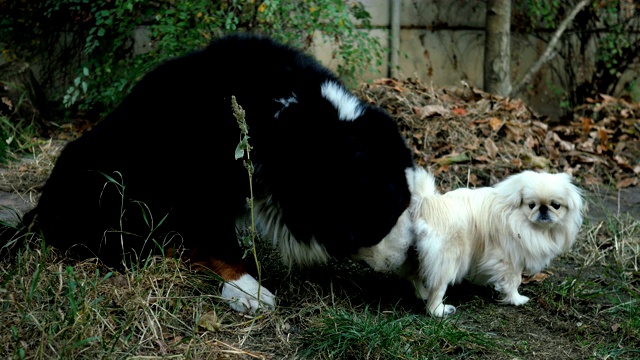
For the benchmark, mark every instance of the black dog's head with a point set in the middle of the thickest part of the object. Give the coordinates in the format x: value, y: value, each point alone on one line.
x: 337, y: 168
x: 374, y: 187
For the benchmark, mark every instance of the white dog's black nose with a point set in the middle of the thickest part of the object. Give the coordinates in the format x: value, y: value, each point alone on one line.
x: 544, y: 213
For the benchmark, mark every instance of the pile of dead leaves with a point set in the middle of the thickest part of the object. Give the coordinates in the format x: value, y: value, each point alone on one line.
x: 468, y: 137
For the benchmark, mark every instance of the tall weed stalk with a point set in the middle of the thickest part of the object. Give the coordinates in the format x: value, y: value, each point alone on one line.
x: 242, y: 149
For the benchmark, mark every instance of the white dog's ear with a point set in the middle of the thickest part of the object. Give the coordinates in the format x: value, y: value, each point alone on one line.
x: 509, y: 191
x: 575, y: 200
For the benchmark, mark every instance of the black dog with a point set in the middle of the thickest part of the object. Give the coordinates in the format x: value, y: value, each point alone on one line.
x: 160, y: 170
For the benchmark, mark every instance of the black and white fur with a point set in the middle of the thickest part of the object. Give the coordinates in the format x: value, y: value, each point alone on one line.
x: 329, y: 168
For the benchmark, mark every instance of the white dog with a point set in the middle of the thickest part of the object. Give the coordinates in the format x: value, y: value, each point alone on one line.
x: 489, y: 235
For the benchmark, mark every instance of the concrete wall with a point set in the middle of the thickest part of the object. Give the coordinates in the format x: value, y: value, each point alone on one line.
x: 442, y: 43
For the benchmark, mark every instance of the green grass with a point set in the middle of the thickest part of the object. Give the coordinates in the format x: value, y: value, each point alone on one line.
x: 351, y: 333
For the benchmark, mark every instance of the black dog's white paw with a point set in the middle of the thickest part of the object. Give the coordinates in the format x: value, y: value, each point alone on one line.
x: 242, y: 295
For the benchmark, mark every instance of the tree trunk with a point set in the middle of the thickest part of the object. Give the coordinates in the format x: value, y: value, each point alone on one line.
x: 497, y: 47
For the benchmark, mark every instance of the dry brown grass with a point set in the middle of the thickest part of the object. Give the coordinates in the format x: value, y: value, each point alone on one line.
x: 52, y: 308
x: 32, y: 171
x: 611, y: 242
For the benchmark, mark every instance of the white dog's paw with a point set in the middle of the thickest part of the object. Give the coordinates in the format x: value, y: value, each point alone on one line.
x: 242, y: 295
x: 518, y: 299
x: 443, y: 310
x: 515, y: 299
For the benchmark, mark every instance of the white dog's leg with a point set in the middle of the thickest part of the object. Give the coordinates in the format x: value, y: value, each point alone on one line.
x: 508, y: 285
x: 435, y: 302
x: 437, y: 268
x: 436, y: 307
x: 242, y: 295
x: 515, y: 298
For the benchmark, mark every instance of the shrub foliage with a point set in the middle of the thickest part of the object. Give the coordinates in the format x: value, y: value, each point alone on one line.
x: 90, y: 50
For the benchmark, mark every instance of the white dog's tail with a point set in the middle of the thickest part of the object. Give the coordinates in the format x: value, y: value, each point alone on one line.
x: 422, y: 185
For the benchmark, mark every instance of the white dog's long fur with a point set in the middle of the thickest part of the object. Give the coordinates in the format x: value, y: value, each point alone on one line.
x: 488, y: 235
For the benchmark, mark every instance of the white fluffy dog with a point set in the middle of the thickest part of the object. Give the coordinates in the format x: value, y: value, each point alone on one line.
x: 489, y: 236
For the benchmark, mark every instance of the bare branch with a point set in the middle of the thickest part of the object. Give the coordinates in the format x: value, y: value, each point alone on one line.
x: 548, y: 53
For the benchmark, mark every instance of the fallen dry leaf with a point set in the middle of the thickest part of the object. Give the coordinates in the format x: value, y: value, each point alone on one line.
x: 459, y: 111
x: 209, y: 321
x: 539, y: 277
x: 431, y: 110
x: 492, y: 149
x: 495, y: 123
x: 532, y: 161
x: 626, y: 182
x: 452, y: 159
x: 7, y: 101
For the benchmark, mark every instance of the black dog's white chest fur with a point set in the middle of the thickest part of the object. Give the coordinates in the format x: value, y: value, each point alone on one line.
x: 269, y: 214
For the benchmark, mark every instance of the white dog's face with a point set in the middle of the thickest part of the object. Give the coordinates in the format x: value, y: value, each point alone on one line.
x: 544, y: 199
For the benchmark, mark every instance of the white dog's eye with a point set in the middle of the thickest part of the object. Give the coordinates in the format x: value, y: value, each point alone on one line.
x: 555, y: 205
x: 532, y: 205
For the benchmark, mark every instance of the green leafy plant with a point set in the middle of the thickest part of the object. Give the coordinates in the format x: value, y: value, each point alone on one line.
x: 539, y: 13
x: 79, y: 86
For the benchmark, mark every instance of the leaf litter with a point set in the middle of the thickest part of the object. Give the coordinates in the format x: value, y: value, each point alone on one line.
x: 469, y: 137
